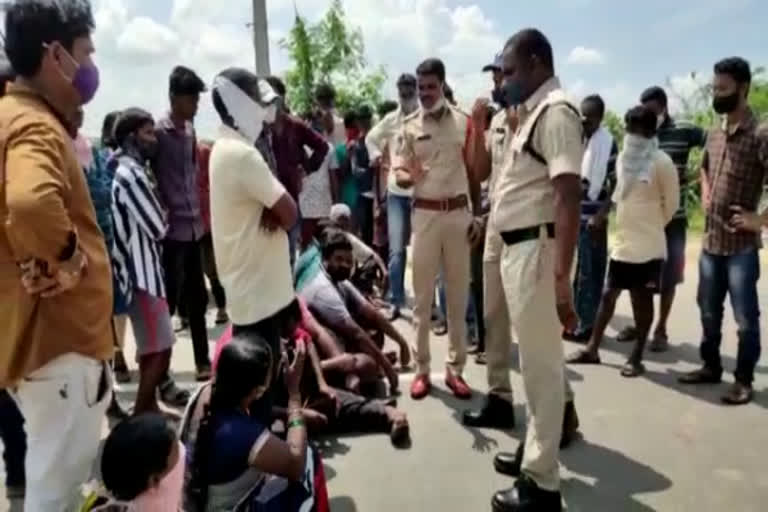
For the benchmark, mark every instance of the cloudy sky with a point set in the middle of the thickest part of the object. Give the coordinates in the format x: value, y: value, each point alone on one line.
x: 614, y: 48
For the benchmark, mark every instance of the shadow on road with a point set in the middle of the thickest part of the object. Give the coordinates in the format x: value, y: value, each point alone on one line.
x: 617, y: 480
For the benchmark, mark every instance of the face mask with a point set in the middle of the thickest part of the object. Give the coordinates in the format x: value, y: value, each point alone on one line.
x: 148, y: 149
x: 725, y: 104
x: 271, y: 114
x: 497, y: 95
x: 248, y: 115
x: 86, y: 79
x: 437, y: 107
x: 513, y: 93
x: 166, y: 495
x: 409, y: 105
x: 340, y: 274
x: 660, y: 120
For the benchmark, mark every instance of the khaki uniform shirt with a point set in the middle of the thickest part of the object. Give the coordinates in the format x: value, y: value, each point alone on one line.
x: 379, y: 141
x: 44, y: 199
x: 439, y: 143
x: 496, y: 142
x: 524, y: 195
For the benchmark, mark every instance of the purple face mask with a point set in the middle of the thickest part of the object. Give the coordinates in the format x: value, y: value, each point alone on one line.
x: 86, y: 79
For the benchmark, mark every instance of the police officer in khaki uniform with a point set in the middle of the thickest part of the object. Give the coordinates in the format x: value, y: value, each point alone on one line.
x: 536, y: 212
x: 497, y: 411
x: 430, y: 158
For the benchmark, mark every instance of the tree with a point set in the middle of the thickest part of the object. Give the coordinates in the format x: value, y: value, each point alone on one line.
x: 615, y: 125
x: 330, y: 51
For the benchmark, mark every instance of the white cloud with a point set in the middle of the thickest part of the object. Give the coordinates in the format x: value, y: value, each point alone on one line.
x: 144, y: 37
x: 584, y: 55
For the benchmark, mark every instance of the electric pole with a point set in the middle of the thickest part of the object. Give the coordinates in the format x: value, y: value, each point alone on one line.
x: 260, y: 37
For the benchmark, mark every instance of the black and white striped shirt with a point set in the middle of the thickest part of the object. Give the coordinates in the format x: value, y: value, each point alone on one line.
x: 140, y: 224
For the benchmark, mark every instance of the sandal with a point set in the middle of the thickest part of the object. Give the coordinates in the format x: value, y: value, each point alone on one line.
x: 440, y: 328
x: 627, y: 334
x: 660, y: 343
x: 632, y: 369
x: 400, y: 435
x: 173, y: 395
x: 203, y: 374
x: 582, y: 357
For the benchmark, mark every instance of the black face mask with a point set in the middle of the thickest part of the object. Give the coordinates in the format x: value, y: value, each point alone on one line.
x: 340, y: 274
x: 725, y: 104
x: 498, y: 97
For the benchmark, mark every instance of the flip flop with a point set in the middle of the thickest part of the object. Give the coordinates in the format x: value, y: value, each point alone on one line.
x: 582, y: 357
x: 173, y: 395
x: 632, y: 370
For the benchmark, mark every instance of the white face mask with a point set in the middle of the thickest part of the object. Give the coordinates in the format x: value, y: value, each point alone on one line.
x: 660, y: 120
x: 271, y: 114
x: 248, y: 115
x: 409, y: 105
x: 437, y: 107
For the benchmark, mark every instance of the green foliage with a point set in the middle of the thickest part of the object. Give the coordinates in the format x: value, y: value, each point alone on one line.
x: 330, y: 51
x: 615, y: 125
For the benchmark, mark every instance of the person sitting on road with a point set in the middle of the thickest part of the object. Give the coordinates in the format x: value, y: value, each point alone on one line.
x: 142, y: 467
x: 343, y: 311
x: 236, y: 461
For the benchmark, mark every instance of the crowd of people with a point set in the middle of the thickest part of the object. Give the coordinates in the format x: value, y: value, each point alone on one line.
x: 300, y: 224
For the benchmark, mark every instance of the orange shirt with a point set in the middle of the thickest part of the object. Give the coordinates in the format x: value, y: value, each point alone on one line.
x: 44, y: 199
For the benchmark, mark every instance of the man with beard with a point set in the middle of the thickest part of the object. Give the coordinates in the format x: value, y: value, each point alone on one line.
x: 381, y: 147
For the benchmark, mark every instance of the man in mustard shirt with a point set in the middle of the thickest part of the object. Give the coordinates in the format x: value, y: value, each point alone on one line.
x: 55, y: 280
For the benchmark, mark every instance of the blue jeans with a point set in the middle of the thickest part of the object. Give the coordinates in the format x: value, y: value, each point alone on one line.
x: 590, y: 275
x: 737, y: 276
x: 14, y: 440
x: 399, y: 230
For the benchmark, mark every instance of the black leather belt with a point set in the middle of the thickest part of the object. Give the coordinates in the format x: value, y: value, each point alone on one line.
x: 517, y: 236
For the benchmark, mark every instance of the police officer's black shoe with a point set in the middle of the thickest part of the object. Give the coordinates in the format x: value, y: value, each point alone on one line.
x: 495, y: 413
x: 508, y: 463
x: 526, y: 496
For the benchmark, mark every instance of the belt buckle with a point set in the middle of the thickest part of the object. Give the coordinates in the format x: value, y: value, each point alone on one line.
x: 445, y: 205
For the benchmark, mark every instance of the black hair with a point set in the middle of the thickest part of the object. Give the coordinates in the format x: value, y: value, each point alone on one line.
x: 108, y: 139
x: 433, y: 67
x: 277, y: 85
x: 325, y: 92
x: 406, y: 79
x: 448, y: 93
x: 385, y: 107
x: 656, y: 94
x: 597, y: 101
x: 640, y: 120
x: 245, y: 81
x: 350, y: 118
x: 334, y: 240
x: 364, y: 113
x: 136, y: 450
x: 31, y: 24
x: 735, y: 67
x: 530, y: 42
x: 243, y: 366
x: 128, y: 122
x: 185, y: 82
x: 7, y: 74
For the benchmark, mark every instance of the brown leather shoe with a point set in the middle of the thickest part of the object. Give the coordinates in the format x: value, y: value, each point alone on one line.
x: 570, y: 425
x: 737, y: 394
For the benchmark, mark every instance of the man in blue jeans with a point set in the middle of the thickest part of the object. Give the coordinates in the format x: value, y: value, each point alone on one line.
x: 380, y: 145
x: 734, y: 169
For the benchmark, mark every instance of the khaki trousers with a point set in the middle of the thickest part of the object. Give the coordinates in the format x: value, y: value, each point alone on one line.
x: 527, y: 271
x: 498, y: 332
x: 440, y: 240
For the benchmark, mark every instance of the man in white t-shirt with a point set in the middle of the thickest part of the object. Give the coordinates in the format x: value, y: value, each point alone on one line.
x: 251, y: 211
x: 398, y: 198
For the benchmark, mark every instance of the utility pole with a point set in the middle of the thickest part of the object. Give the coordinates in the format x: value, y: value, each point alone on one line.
x: 261, y: 37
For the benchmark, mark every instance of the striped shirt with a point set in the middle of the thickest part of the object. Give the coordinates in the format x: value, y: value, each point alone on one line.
x: 677, y: 140
x: 140, y: 224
